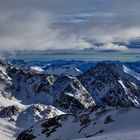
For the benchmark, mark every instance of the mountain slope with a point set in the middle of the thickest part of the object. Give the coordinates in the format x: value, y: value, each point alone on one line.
x: 70, y: 94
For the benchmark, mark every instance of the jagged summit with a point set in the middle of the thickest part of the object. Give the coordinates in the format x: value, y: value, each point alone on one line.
x: 70, y: 93
x: 109, y: 87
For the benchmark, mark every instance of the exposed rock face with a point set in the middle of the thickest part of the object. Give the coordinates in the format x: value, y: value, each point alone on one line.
x: 25, y: 135
x: 31, y: 85
x: 108, y: 119
x: 9, y: 111
x: 6, y: 83
x: 70, y: 94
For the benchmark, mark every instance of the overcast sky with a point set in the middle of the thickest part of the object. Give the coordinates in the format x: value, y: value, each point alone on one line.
x: 68, y: 24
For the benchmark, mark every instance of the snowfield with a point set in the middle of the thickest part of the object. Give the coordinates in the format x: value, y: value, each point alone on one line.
x: 127, y: 128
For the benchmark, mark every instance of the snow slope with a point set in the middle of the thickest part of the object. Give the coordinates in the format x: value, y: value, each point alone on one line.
x: 124, y: 135
x: 104, y: 123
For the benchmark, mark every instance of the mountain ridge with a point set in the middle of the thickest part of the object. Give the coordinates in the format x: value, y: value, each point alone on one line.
x: 34, y: 97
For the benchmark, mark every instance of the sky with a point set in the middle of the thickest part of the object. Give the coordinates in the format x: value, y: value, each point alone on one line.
x: 68, y: 24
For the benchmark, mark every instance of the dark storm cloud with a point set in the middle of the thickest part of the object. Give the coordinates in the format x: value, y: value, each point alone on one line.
x: 65, y: 24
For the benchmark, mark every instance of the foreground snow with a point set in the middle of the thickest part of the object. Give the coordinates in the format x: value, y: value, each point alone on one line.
x: 7, y: 130
x: 89, y: 126
x: 126, y: 135
x: 126, y: 126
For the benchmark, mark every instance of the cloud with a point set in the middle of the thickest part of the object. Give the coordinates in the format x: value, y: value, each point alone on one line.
x: 65, y: 24
x: 112, y: 47
x: 34, y: 31
x: 24, y: 30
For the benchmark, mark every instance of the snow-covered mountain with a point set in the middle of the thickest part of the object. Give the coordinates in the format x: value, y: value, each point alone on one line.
x: 42, y: 105
x: 111, y: 87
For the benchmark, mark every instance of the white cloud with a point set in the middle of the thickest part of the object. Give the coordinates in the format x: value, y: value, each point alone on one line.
x: 112, y: 47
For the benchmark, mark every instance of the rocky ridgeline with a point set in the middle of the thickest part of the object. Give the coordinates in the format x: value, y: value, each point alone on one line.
x: 109, y: 87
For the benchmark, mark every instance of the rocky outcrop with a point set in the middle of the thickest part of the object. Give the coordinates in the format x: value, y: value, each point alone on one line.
x: 9, y: 111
